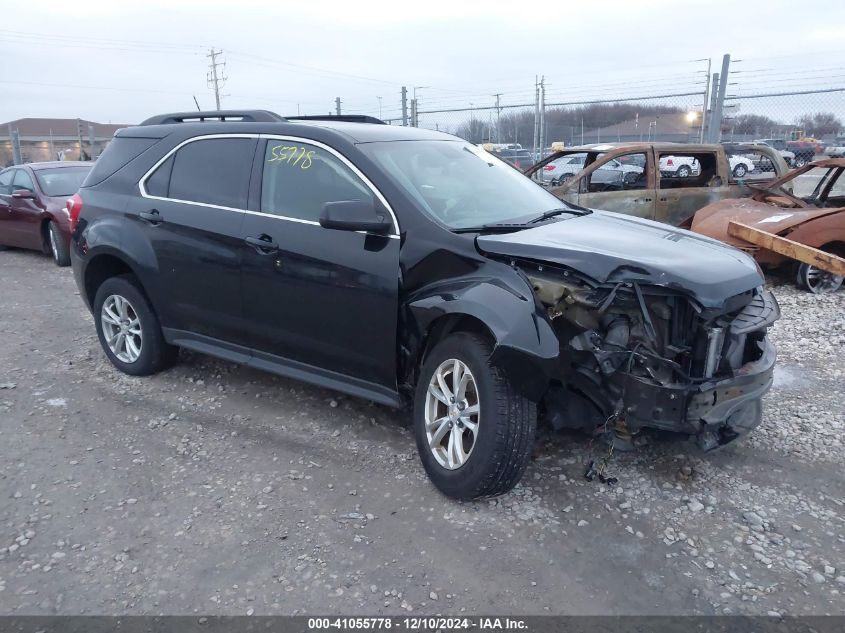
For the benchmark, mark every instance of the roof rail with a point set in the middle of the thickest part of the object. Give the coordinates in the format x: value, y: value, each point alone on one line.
x: 349, y: 118
x: 251, y: 116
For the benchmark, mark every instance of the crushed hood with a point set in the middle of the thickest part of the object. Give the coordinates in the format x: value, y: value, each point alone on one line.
x: 611, y: 248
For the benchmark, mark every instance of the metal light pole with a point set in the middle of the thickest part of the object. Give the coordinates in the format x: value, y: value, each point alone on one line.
x: 379, y: 106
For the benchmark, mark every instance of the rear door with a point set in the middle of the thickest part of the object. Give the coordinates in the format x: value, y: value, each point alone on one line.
x: 190, y: 213
x: 324, y: 299
x: 681, y: 193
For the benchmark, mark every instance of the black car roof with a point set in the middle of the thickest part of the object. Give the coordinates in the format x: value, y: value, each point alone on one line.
x: 268, y: 123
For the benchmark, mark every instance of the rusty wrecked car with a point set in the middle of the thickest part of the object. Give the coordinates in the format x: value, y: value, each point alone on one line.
x: 667, y: 182
x: 804, y: 208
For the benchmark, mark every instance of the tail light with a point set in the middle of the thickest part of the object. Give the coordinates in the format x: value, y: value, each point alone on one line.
x: 74, y: 208
x: 549, y: 167
x: 669, y: 161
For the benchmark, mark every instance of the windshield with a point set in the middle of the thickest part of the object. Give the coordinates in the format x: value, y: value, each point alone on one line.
x: 61, y: 181
x: 460, y: 184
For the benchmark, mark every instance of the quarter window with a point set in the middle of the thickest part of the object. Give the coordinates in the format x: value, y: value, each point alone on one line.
x: 209, y: 171
x: 300, y: 178
x: 23, y: 181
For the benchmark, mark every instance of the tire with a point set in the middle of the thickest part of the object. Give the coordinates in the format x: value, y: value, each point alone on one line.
x: 817, y: 281
x: 561, y: 180
x: 740, y: 170
x: 153, y: 352
x: 800, y: 161
x: 497, y: 453
x: 684, y: 172
x: 58, y: 248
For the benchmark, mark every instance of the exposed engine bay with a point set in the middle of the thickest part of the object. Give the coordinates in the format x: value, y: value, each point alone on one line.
x: 644, y: 356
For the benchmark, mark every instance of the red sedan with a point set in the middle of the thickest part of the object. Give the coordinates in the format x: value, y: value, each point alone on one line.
x: 32, y: 206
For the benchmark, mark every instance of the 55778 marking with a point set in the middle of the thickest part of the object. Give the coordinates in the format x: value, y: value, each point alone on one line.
x: 291, y: 155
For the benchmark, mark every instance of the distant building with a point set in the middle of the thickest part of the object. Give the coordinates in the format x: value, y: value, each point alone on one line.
x: 677, y: 127
x: 54, y: 139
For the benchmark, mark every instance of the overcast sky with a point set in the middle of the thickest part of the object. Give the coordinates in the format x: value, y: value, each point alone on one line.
x: 121, y: 61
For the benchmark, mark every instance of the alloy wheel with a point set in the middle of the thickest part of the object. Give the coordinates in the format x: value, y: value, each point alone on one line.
x: 819, y: 281
x: 54, y: 248
x: 121, y: 328
x: 452, y: 414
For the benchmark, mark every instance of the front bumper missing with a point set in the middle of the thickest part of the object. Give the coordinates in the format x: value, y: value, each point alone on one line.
x: 716, y: 411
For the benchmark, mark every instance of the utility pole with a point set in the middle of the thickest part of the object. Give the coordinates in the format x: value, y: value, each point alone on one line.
x: 379, y: 106
x: 704, y: 104
x: 714, y: 90
x: 79, y: 138
x: 414, y: 121
x: 404, y: 106
x: 337, y: 105
x: 92, y: 140
x: 718, y: 105
x: 536, y: 117
x: 498, y: 118
x: 14, y: 136
x: 542, y: 117
x: 215, y: 79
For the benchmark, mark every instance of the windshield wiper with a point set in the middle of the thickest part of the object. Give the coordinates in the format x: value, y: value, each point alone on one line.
x: 554, y: 212
x: 502, y: 227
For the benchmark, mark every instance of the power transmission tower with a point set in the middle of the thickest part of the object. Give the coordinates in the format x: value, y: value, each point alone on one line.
x: 216, y: 79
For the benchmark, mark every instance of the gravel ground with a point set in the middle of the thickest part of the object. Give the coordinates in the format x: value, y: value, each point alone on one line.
x: 212, y: 488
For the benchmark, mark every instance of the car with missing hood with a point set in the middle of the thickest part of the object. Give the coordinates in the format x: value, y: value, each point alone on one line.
x: 412, y: 268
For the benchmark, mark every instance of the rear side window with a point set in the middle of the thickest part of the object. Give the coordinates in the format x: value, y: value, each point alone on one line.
x: 6, y: 182
x: 118, y: 153
x: 23, y: 181
x: 210, y: 171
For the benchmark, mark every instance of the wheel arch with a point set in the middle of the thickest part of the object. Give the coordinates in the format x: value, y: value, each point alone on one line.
x: 524, y: 345
x: 103, y: 266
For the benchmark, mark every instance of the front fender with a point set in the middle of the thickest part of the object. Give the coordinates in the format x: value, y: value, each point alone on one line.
x: 526, y: 347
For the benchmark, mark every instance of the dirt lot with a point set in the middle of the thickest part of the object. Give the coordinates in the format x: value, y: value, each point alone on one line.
x: 213, y: 488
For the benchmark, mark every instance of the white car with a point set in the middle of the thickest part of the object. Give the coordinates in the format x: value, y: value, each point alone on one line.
x: 558, y: 171
x: 836, y: 149
x: 686, y: 166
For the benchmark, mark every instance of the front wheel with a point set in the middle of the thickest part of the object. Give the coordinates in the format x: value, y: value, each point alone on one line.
x: 740, y: 170
x: 800, y: 161
x: 474, y: 431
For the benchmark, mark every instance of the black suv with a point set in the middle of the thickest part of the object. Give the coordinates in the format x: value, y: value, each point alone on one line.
x: 411, y: 267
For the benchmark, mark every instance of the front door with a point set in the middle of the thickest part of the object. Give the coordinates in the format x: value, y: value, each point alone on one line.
x: 24, y: 213
x: 688, y: 181
x: 324, y: 300
x: 7, y: 238
x: 190, y: 213
x: 624, y: 184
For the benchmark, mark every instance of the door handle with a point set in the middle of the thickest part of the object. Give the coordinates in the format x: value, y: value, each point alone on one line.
x: 263, y: 244
x: 152, y: 216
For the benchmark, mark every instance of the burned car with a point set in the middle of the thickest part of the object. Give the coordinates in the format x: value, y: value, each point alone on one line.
x: 667, y: 182
x: 787, y: 221
x: 411, y: 268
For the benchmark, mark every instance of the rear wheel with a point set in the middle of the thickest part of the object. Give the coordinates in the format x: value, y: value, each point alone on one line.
x: 474, y: 431
x: 128, y: 328
x: 800, y: 161
x: 58, y: 247
x: 817, y: 281
x: 684, y: 171
x: 740, y: 170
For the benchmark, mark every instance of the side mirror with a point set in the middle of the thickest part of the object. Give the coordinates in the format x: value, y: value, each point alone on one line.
x: 355, y: 215
x: 22, y: 194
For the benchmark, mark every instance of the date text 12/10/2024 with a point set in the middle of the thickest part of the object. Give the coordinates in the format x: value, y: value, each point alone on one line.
x: 417, y: 623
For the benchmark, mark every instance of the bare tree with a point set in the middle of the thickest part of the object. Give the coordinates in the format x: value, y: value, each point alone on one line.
x: 819, y: 124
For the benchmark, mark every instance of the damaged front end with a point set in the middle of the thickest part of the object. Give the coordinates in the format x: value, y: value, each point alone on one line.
x: 644, y: 356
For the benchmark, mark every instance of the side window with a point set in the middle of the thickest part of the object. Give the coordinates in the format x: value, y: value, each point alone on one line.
x: 299, y: 179
x: 680, y: 171
x: 6, y: 182
x: 622, y: 174
x: 750, y: 164
x: 22, y: 181
x: 211, y: 171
